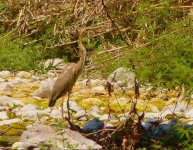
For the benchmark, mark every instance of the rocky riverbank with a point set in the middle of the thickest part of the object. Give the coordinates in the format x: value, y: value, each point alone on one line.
x: 24, y: 106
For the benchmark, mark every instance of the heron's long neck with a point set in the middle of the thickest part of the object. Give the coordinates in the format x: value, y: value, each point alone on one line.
x: 82, y: 52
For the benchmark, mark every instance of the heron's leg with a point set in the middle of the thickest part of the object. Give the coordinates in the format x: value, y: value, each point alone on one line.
x: 68, y: 105
x: 62, y: 109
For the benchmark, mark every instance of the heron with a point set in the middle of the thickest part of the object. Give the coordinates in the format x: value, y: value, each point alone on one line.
x: 67, y: 79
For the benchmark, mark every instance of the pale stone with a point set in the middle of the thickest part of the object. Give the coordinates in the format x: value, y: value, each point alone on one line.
x: 5, y: 74
x: 80, y: 113
x: 179, y: 108
x: 8, y: 122
x: 30, y: 112
x: 45, y: 88
x: 18, y: 80
x: 104, y: 117
x: 39, y: 133
x: 189, y: 114
x: 3, y: 115
x: 154, y: 109
x: 123, y: 76
x: 5, y: 86
x: 18, y: 145
x: 5, y: 100
x: 98, y: 89
x: 2, y: 80
x: 23, y: 74
x: 56, y: 113
x: 73, y: 105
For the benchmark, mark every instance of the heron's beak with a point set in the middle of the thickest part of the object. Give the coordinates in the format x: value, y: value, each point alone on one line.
x: 51, y: 103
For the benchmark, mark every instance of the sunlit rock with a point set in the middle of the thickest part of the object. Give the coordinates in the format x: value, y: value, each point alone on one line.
x: 73, y: 106
x: 94, y: 111
x: 30, y: 112
x: 5, y: 86
x: 98, y: 89
x: 18, y: 145
x: 80, y: 113
x: 104, y: 117
x: 189, y: 114
x: 123, y: 77
x: 2, y: 80
x: 180, y: 109
x: 3, y: 115
x: 8, y: 122
x: 5, y: 74
x: 56, y: 113
x: 8, y: 101
x: 39, y: 134
x: 45, y: 88
x: 23, y: 74
x: 18, y: 80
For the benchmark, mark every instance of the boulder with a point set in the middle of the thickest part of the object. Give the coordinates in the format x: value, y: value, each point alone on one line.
x: 189, y: 114
x: 5, y: 74
x: 30, y: 112
x: 11, y: 102
x: 73, y: 106
x: 123, y: 76
x: 80, y: 114
x: 10, y: 121
x: 38, y: 134
x: 55, y: 113
x: 3, y: 115
x: 5, y: 86
x: 55, y: 63
x: 178, y: 109
x: 18, y: 80
x: 45, y: 88
x: 23, y: 74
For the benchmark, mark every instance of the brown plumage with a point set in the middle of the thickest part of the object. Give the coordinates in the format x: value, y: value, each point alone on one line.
x: 69, y: 76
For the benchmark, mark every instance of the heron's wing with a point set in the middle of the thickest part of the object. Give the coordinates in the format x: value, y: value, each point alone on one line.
x: 64, y: 82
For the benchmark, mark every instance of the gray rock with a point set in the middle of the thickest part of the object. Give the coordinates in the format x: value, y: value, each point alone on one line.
x: 45, y: 88
x: 8, y: 101
x: 180, y: 108
x: 23, y: 74
x: 94, y: 111
x: 98, y: 89
x: 39, y: 134
x: 80, y: 113
x: 73, y: 105
x: 18, y: 145
x: 189, y: 114
x: 18, y: 80
x: 5, y: 74
x: 55, y: 63
x: 5, y: 86
x: 2, y: 80
x: 3, y: 115
x: 55, y: 113
x: 154, y: 109
x: 8, y: 122
x: 123, y: 76
x: 104, y: 117
x: 30, y: 112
